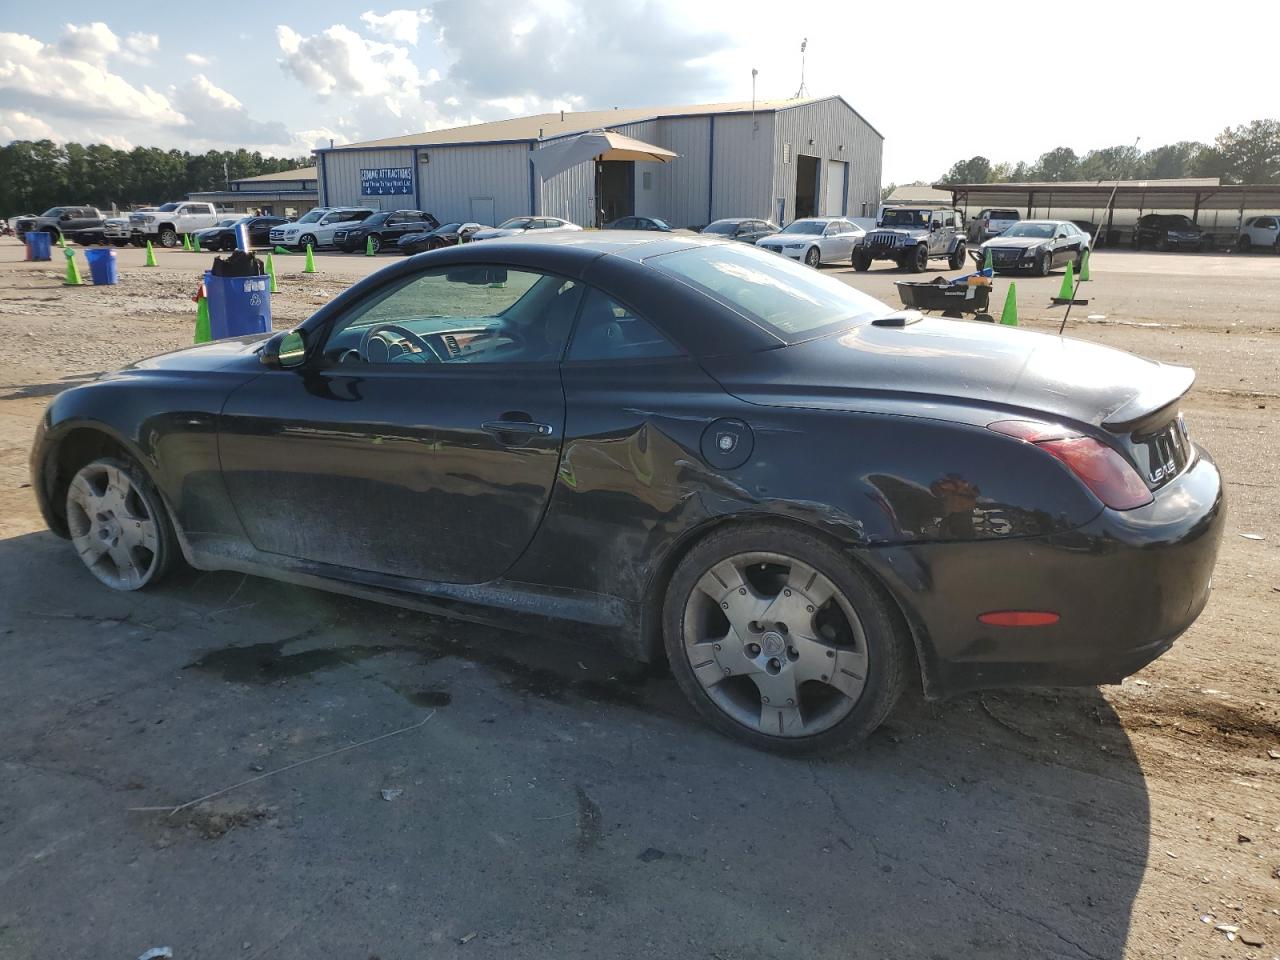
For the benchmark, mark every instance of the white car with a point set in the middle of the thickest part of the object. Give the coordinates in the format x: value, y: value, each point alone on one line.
x: 117, y: 229
x: 518, y: 225
x: 816, y: 240
x: 317, y: 226
x: 1260, y: 232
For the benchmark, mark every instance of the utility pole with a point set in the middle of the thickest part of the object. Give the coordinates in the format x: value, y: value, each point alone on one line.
x: 755, y: 124
x: 803, y: 91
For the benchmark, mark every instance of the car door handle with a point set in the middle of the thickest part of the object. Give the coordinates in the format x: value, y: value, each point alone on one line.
x: 503, y: 429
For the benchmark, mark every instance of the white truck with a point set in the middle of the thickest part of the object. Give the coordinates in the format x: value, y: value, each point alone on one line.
x: 166, y: 224
x: 316, y: 227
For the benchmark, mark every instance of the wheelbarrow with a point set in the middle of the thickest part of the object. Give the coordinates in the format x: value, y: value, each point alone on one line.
x: 952, y: 300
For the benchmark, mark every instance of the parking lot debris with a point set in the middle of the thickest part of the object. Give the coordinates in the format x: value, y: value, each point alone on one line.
x: 390, y: 793
x: 151, y: 256
x: 1253, y: 536
x: 310, y: 266
x: 157, y: 953
x: 1251, y: 939
x: 1229, y: 929
x: 73, y: 272
x: 464, y: 940
x: 291, y: 766
x: 1242, y: 838
x: 1009, y: 315
x: 1274, y: 754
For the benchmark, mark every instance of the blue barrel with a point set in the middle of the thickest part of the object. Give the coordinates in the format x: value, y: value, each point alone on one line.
x: 102, y: 266
x: 40, y: 245
x: 242, y: 238
x: 238, y: 306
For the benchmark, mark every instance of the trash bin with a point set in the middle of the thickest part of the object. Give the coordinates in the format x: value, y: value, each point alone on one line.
x: 102, y: 266
x: 238, y: 306
x: 40, y: 245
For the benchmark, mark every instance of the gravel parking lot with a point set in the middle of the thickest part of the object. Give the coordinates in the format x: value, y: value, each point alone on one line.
x: 547, y: 800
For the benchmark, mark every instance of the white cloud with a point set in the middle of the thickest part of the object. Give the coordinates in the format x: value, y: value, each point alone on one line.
x: 339, y: 58
x: 138, y: 48
x: 400, y: 26
x: 215, y: 116
x: 198, y: 59
x: 92, y: 41
x: 16, y: 125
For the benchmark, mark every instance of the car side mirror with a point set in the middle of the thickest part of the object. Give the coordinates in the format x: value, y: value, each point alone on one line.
x: 284, y: 350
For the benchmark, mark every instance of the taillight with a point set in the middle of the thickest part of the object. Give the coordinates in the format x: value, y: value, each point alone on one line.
x: 1111, y: 478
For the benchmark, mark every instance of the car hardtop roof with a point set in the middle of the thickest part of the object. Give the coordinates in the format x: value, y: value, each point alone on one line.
x: 909, y: 206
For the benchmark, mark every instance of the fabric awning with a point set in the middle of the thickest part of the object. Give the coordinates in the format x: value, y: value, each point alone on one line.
x: 596, y: 145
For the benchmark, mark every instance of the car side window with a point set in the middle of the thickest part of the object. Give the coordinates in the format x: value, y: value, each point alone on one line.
x: 1267, y: 223
x: 461, y: 314
x: 607, y: 330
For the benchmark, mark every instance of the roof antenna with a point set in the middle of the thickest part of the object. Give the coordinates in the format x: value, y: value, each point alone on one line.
x: 803, y: 91
x: 1096, y: 234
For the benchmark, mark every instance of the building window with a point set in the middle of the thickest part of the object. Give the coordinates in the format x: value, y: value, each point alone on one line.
x: 646, y: 180
x: 786, y: 152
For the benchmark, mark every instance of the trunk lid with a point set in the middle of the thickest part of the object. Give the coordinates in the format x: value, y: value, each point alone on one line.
x: 940, y: 364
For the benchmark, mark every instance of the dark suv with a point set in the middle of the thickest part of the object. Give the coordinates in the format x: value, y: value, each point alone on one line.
x: 74, y: 223
x: 1169, y: 231
x: 384, y: 229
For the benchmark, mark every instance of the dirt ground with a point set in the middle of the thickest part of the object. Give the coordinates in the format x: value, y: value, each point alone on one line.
x: 557, y: 802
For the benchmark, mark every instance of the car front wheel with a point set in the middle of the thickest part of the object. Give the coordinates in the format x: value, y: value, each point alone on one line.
x: 306, y: 240
x: 861, y: 261
x: 812, y: 257
x: 118, y: 524
x: 168, y: 238
x: 1044, y: 266
x: 920, y: 259
x: 778, y: 641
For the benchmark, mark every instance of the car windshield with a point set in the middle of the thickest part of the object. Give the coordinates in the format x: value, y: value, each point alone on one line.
x: 515, y: 223
x: 805, y: 226
x: 1030, y: 229
x: 660, y: 224
x: 232, y: 221
x: 52, y: 212
x: 725, y: 227
x: 311, y: 216
x: 447, y: 228
x: 905, y: 218
x: 379, y: 217
x: 793, y: 302
x: 167, y: 208
x: 1177, y: 222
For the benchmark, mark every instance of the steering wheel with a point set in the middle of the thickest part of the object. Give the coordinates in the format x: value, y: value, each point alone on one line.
x: 431, y: 354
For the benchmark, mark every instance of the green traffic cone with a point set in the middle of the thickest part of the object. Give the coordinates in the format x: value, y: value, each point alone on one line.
x: 986, y: 261
x: 151, y: 256
x: 311, y: 263
x: 271, y: 272
x: 203, y: 333
x: 1009, y: 315
x: 195, y: 244
x: 186, y: 243
x: 280, y: 251
x: 73, y: 272
x: 1084, y: 267
x: 368, y: 248
x: 1068, y: 290
x: 62, y: 240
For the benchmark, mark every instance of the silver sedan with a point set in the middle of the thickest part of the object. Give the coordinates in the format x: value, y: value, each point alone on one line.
x: 815, y: 240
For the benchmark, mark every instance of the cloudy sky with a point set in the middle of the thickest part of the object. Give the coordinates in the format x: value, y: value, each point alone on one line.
x: 284, y: 77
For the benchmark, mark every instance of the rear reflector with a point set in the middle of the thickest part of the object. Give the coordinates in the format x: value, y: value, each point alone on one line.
x: 1109, y: 475
x: 1019, y: 618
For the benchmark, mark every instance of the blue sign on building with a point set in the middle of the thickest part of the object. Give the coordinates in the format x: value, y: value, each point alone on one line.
x: 386, y: 181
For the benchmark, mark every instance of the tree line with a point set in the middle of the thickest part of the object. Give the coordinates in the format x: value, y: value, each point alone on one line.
x: 1249, y: 153
x: 38, y: 174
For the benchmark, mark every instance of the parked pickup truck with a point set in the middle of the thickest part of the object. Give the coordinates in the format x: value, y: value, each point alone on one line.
x: 116, y: 230
x: 70, y: 222
x: 166, y: 224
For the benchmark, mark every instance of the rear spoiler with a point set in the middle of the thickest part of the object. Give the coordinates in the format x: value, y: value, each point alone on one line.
x: 1163, y: 389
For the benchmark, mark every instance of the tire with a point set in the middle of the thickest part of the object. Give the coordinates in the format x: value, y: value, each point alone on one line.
x: 767, y: 570
x: 305, y: 240
x: 919, y: 259
x: 861, y: 261
x: 168, y: 237
x: 1162, y: 245
x: 1244, y: 242
x: 956, y: 260
x: 347, y: 248
x: 119, y: 525
x: 1044, y: 266
x: 813, y: 257
x: 119, y: 243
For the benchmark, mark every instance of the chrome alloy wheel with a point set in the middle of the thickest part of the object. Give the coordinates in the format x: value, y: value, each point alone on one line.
x: 113, y: 527
x: 775, y: 644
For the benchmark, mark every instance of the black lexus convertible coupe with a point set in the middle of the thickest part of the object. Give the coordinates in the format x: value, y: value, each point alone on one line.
x: 690, y: 447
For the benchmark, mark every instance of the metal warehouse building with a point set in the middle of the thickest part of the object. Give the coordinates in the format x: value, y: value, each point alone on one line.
x: 776, y: 160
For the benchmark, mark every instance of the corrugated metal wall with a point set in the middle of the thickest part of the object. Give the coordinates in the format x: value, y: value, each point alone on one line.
x: 831, y: 125
x: 464, y: 183
x: 743, y: 162
x: 340, y: 175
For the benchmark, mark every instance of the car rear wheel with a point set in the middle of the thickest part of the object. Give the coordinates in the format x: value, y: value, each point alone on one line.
x: 861, y: 261
x: 118, y: 524
x: 956, y: 260
x: 778, y: 641
x: 812, y: 257
x: 919, y: 259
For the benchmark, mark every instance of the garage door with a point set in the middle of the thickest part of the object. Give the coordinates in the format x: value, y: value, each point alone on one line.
x: 834, y: 189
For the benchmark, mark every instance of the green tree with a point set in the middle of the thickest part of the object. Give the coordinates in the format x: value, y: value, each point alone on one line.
x: 1110, y: 163
x: 1060, y: 163
x: 1171, y: 161
x: 1251, y: 153
x: 973, y: 170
